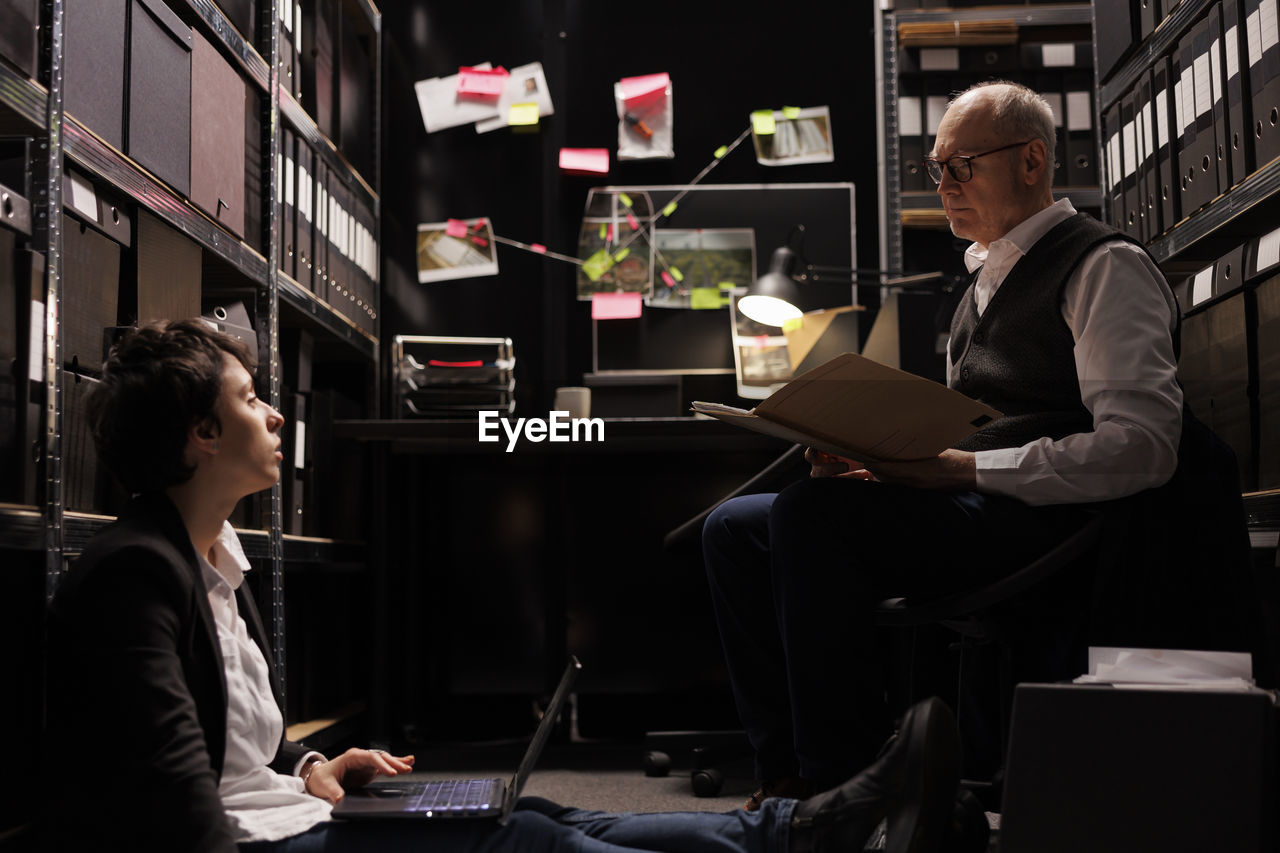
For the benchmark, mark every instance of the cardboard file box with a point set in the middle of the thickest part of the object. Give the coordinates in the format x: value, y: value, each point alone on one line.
x: 217, y: 136
x: 1102, y: 769
x: 243, y: 14
x: 319, y: 29
x: 18, y: 35
x: 90, y: 284
x: 168, y: 272
x: 80, y: 483
x: 1268, y: 296
x: 159, y: 126
x: 94, y: 67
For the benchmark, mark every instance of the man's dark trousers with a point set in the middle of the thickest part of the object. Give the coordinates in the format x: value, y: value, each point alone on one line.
x: 795, y: 577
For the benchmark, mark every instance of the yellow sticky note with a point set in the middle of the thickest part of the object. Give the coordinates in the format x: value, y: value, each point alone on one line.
x: 625, y: 199
x: 762, y: 123
x: 676, y: 274
x: 792, y: 324
x: 597, y: 265
x: 791, y: 113
x: 704, y: 298
x: 721, y: 151
x: 727, y: 285
x: 523, y: 114
x: 620, y: 254
x: 604, y: 230
x: 669, y: 209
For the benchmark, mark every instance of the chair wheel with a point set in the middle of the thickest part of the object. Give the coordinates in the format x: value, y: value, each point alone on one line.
x: 656, y: 763
x: 707, y: 783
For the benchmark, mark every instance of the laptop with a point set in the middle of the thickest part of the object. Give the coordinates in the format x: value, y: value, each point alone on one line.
x: 458, y: 799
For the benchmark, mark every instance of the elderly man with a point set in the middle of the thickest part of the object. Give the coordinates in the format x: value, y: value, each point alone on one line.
x: 1067, y: 328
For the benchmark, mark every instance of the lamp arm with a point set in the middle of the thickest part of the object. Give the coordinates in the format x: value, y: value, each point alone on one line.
x: 881, y: 278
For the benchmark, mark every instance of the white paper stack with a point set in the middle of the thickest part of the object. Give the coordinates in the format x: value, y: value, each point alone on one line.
x: 1174, y: 669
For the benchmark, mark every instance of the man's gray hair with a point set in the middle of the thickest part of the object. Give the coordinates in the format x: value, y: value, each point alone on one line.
x: 1020, y: 113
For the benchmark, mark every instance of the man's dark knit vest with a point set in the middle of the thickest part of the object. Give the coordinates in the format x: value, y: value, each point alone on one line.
x: 1019, y: 355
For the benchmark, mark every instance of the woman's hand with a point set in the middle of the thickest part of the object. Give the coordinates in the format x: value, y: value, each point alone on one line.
x: 354, y: 769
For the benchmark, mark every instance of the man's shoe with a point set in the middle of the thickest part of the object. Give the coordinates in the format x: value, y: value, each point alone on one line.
x: 792, y: 787
x: 913, y: 784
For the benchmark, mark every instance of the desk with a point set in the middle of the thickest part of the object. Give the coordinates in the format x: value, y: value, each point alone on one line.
x: 549, y: 549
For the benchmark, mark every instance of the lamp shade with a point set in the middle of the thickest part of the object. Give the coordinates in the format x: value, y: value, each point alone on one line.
x: 771, y: 301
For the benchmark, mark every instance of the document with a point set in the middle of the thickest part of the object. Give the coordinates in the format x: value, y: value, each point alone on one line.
x: 860, y: 409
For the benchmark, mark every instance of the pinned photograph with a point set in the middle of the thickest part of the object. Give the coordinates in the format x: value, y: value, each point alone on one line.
x: 760, y: 354
x: 702, y: 266
x: 792, y: 135
x: 459, y: 248
x: 526, y: 87
x: 613, y: 243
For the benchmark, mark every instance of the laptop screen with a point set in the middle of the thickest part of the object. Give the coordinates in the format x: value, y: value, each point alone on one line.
x: 542, y: 734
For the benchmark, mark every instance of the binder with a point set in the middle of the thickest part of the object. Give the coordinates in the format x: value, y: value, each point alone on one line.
x: 1221, y: 128
x: 288, y: 61
x: 320, y: 242
x: 1229, y: 271
x: 1081, y: 155
x: 1114, y: 185
x: 319, y: 26
x: 288, y: 171
x: 1147, y: 176
x: 30, y: 274
x: 303, y: 229
x: 1046, y: 86
x: 937, y: 93
x: 1129, y: 167
x: 993, y: 58
x: 1057, y: 54
x: 1166, y: 144
x: 355, y: 99
x: 910, y: 144
x: 1268, y: 338
x: 1198, y: 176
x: 295, y: 462
x: 1263, y: 52
x: 253, y: 171
x: 13, y: 384
x: 1239, y: 139
x: 1231, y: 388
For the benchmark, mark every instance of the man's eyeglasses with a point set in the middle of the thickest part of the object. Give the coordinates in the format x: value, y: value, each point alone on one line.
x: 961, y: 166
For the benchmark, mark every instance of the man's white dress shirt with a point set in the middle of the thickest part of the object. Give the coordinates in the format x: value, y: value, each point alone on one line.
x: 1120, y: 314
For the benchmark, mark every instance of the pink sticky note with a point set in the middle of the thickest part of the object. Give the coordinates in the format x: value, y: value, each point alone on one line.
x: 608, y: 233
x: 638, y: 91
x: 592, y: 161
x: 631, y: 220
x: 666, y: 277
x: 760, y: 341
x: 481, y: 83
x: 615, y: 306
x: 479, y: 241
x: 456, y: 228
x: 539, y: 248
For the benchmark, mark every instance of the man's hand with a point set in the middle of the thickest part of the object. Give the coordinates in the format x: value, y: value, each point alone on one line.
x: 950, y: 470
x: 354, y: 769
x: 829, y: 465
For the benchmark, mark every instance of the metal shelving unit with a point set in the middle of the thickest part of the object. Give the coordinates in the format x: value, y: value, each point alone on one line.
x: 34, y: 108
x: 893, y: 202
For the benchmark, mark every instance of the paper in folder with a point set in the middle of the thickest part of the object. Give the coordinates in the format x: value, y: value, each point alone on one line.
x: 863, y: 410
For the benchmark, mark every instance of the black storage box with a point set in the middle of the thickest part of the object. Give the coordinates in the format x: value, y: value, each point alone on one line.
x: 18, y: 35
x: 217, y: 136
x: 93, y: 73
x: 159, y: 126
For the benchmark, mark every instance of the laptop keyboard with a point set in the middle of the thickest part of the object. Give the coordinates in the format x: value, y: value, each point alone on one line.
x: 454, y: 796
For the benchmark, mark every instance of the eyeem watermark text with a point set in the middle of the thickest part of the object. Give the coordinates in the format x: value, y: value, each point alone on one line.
x: 558, y: 427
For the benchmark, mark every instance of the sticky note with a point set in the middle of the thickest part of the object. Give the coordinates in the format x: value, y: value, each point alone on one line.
x: 760, y: 341
x: 480, y: 82
x: 608, y: 236
x: 793, y: 324
x: 791, y: 113
x: 727, y: 285
x: 631, y: 220
x: 594, y: 161
x: 625, y: 199
x: 597, y: 265
x: 666, y: 277
x: 604, y: 231
x: 704, y: 298
x: 721, y: 151
x: 620, y: 254
x: 762, y: 123
x: 523, y: 115
x: 676, y: 274
x: 538, y: 247
x: 479, y: 241
x: 455, y: 228
x: 637, y: 91
x: 669, y: 209
x: 615, y: 306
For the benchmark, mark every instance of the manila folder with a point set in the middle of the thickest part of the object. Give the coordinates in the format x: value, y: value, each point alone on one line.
x: 858, y: 408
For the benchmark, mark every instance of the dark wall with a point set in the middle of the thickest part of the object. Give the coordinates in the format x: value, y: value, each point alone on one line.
x: 724, y: 62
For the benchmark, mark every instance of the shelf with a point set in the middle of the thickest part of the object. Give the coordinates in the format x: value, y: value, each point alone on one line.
x: 1161, y: 40
x: 248, y: 59
x: 23, y: 96
x: 309, y: 131
x: 304, y: 549
x: 21, y: 528
x: 1213, y: 230
x: 323, y: 315
x: 1023, y: 16
x: 323, y: 733
x: 122, y: 173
